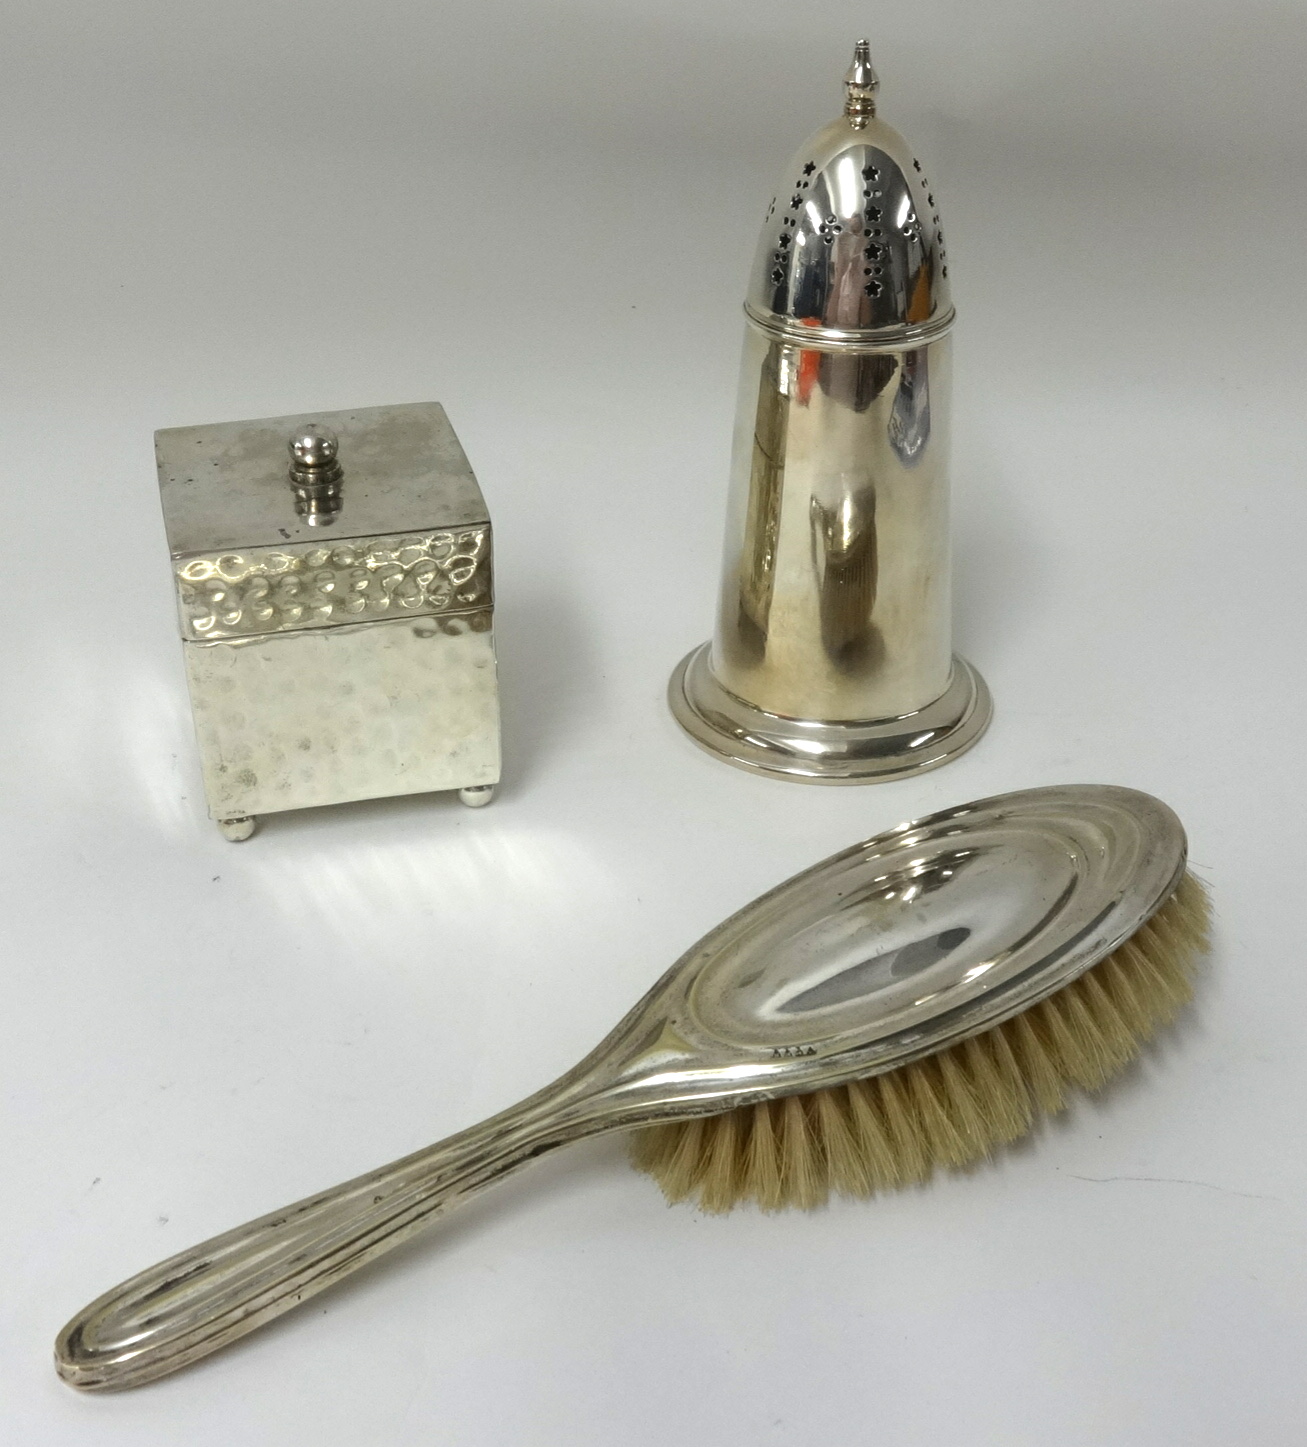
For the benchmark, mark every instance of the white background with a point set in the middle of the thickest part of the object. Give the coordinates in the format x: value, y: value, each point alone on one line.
x: 542, y: 216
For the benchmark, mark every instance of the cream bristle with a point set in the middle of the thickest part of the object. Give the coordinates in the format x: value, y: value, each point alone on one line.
x: 847, y: 1171
x: 678, y: 1171
x: 907, y: 1138
x: 879, y: 1156
x: 949, y: 1109
x: 803, y: 1170
x: 763, y: 1162
x: 724, y: 1175
x: 1034, y: 1065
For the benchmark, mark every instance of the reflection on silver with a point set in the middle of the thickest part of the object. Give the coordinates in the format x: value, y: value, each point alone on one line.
x: 834, y: 624
x: 885, y: 953
x: 316, y: 473
x: 859, y: 978
x: 817, y: 752
x: 355, y: 665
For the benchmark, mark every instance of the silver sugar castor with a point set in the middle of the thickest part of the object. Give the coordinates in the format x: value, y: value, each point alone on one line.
x: 333, y: 578
x: 832, y: 659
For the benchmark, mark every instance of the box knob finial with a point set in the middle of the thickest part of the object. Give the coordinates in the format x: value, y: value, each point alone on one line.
x: 315, y: 473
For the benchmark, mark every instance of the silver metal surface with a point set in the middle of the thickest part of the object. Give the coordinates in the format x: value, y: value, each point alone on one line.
x: 407, y: 474
x: 852, y: 246
x: 817, y: 752
x: 314, y: 454
x: 326, y: 672
x: 330, y: 715
x: 310, y: 585
x: 835, y: 619
x: 880, y: 955
x: 861, y: 84
x: 316, y: 474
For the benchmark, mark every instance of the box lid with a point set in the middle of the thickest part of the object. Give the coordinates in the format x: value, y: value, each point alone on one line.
x: 227, y: 485
x: 405, y: 530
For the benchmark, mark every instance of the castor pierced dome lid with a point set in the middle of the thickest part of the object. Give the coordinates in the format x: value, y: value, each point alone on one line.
x: 852, y: 250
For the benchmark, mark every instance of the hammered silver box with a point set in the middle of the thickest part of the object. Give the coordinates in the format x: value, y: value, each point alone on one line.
x: 333, y: 579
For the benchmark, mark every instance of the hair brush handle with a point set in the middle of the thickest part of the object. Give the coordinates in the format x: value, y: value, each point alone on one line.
x: 201, y: 1300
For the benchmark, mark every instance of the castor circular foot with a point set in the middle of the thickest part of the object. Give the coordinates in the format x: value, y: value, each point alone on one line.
x: 817, y: 751
x: 238, y: 829
x: 478, y: 796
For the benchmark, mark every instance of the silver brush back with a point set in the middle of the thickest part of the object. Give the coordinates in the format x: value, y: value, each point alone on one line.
x: 832, y: 659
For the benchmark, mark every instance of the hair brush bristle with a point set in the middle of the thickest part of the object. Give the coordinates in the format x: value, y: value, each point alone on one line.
x: 949, y: 1109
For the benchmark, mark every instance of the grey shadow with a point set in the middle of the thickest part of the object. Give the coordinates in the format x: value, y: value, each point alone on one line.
x: 548, y: 668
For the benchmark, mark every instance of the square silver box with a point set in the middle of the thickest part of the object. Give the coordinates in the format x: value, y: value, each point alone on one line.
x: 334, y: 585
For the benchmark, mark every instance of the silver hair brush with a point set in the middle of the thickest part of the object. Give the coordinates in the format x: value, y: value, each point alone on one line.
x: 908, y: 1003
